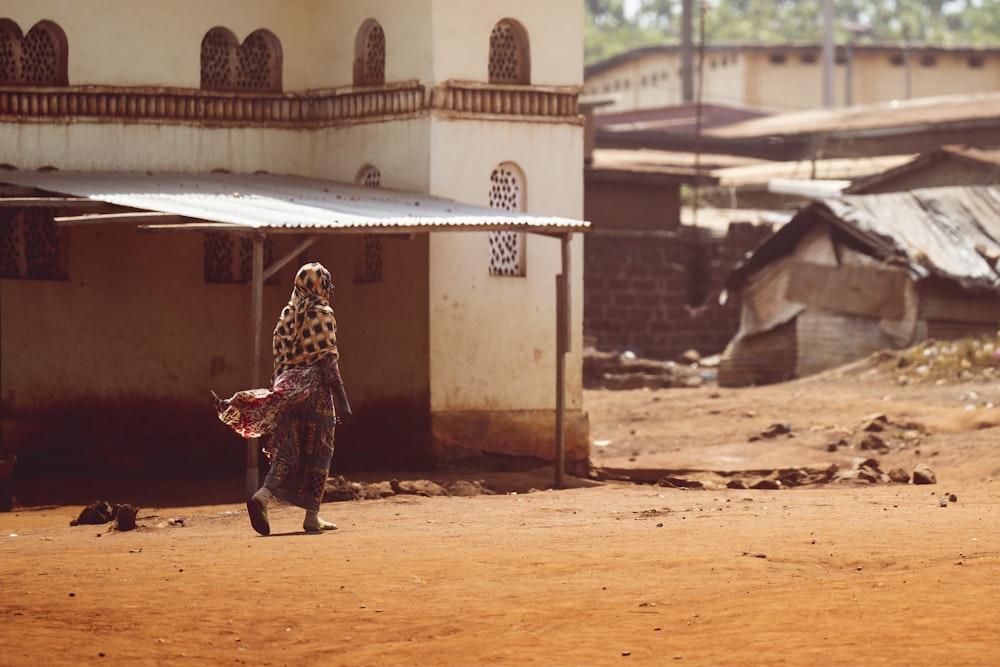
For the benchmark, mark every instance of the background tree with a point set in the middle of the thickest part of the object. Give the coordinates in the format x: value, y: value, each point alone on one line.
x: 614, y: 26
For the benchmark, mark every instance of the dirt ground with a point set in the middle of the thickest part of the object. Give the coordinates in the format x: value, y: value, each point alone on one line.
x: 845, y: 572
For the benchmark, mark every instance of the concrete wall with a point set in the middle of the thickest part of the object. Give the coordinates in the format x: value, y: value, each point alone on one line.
x: 147, y: 47
x: 137, y: 43
x: 333, y: 27
x: 387, y: 373
x: 383, y: 336
x: 492, y: 372
x: 750, y: 77
x: 555, y: 31
x: 488, y: 353
x: 124, y: 352
x: 792, y: 85
x: 119, y: 147
x: 460, y: 262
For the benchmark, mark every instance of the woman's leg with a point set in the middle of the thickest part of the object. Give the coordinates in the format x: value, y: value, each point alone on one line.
x: 257, y: 508
x: 314, y: 524
x: 257, y: 505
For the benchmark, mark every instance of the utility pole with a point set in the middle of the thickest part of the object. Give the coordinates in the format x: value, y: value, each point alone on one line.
x: 828, y: 53
x: 687, y: 51
x: 906, y: 62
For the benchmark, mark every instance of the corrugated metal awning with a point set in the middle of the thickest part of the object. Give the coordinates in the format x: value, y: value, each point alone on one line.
x: 265, y: 203
x: 292, y: 204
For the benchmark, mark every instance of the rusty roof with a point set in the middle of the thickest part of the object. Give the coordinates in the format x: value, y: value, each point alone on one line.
x: 986, y: 159
x: 951, y: 233
x: 648, y: 159
x: 885, y: 116
x: 282, y: 203
x: 761, y: 172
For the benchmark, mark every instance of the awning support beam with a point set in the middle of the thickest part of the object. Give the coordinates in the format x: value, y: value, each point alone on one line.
x: 256, y: 317
x: 53, y: 202
x: 274, y: 268
x: 138, y: 217
x: 563, y: 342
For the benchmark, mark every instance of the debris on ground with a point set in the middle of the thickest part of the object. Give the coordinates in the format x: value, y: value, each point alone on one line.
x: 773, y: 431
x: 101, y: 511
x: 974, y: 358
x: 626, y: 370
x: 340, y: 489
x: 923, y: 474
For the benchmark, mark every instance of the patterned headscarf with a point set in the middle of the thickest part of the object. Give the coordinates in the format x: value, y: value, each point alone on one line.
x: 306, y: 329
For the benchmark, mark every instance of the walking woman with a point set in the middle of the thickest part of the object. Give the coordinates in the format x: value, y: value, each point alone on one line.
x: 306, y: 401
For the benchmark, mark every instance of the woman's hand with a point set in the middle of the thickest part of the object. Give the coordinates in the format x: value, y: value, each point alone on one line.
x: 344, y: 413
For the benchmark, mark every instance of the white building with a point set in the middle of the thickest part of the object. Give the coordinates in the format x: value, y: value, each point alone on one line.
x: 781, y: 78
x: 112, y: 338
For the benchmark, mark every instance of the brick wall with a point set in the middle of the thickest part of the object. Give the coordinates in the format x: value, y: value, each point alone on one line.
x: 656, y: 293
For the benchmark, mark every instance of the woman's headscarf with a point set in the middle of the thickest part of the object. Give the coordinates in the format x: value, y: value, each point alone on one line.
x: 306, y: 330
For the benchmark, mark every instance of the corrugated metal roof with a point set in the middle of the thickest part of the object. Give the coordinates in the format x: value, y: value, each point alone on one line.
x: 885, y: 116
x: 274, y: 203
x: 836, y: 168
x: 948, y: 232
x: 983, y: 159
x: 642, y: 159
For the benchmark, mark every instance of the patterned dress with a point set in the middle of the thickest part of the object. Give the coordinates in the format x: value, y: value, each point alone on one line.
x: 298, y: 410
x: 300, y: 415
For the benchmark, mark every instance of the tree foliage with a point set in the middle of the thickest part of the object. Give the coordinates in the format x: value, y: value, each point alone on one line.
x: 614, y: 26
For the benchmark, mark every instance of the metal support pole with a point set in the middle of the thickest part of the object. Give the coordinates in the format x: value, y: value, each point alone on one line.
x: 256, y: 317
x: 563, y: 341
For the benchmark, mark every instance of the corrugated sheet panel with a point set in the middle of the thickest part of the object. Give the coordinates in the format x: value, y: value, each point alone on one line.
x: 949, y: 232
x: 953, y: 232
x: 926, y: 110
x: 765, y: 304
x: 825, y: 340
x: 762, y: 359
x: 293, y: 203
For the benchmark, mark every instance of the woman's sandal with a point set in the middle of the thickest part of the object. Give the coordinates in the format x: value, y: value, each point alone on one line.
x: 319, y: 528
x: 258, y: 517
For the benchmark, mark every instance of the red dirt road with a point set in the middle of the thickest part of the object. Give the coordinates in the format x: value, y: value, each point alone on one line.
x: 608, y: 574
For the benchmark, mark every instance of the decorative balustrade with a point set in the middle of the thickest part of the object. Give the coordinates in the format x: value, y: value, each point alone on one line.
x: 315, y: 108
x: 472, y: 97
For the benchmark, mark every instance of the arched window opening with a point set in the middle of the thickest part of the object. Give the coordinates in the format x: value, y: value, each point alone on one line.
x: 228, y: 258
x: 507, y: 247
x: 369, y: 54
x: 369, y: 177
x: 36, y: 59
x: 368, y: 253
x: 510, y: 56
x: 32, y: 245
x: 228, y: 65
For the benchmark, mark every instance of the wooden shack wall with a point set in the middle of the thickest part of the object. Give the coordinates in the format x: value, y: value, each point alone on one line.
x: 825, y: 339
x: 764, y: 358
